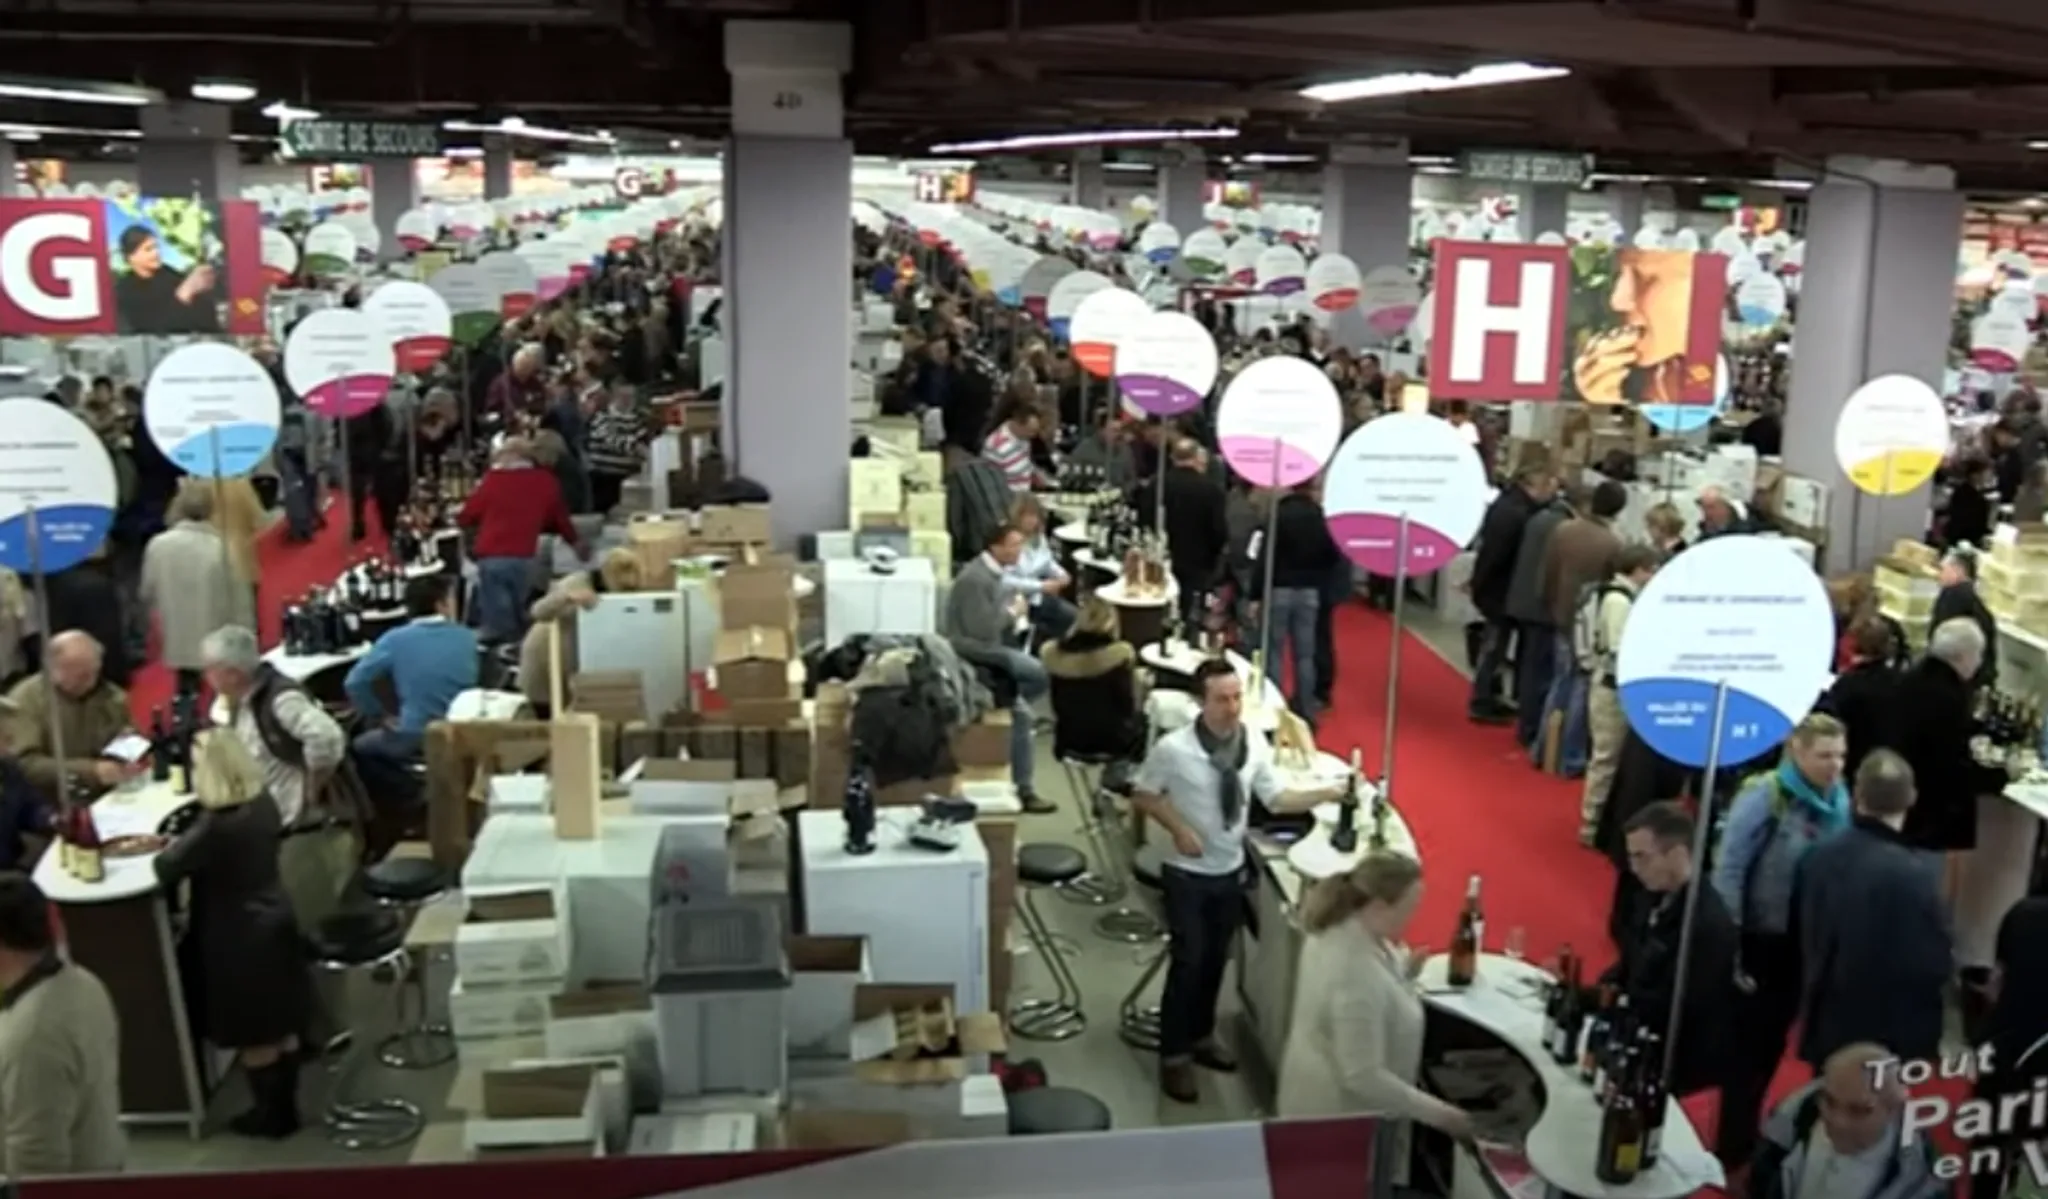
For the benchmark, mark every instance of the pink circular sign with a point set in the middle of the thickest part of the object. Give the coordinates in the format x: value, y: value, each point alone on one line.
x: 1404, y: 465
x: 1279, y: 420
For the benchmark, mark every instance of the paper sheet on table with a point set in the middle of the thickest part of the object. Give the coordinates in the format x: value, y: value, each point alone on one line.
x: 116, y: 819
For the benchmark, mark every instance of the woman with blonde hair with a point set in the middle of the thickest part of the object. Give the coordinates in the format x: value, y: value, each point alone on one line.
x: 241, y: 941
x: 578, y: 591
x: 1355, y: 1046
x: 1036, y: 574
x: 1093, y: 672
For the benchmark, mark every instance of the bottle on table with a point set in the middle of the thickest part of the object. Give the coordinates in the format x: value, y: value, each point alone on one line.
x: 88, y: 863
x: 1344, y: 838
x: 1471, y: 935
x: 1621, y: 1140
x: 1594, y: 1036
x: 1620, y: 1027
x: 159, y: 746
x: 1652, y: 1095
x: 60, y: 829
x: 1561, y: 1019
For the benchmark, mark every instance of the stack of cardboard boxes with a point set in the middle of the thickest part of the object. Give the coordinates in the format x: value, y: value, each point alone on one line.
x: 900, y: 485
x: 511, y: 958
x: 2013, y: 577
x: 758, y: 674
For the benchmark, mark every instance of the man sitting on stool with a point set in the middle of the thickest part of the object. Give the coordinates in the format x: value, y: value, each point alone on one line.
x: 982, y: 618
x: 429, y: 661
x: 1197, y: 783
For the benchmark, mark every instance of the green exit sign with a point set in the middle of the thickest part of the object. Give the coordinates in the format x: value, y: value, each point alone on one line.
x: 1720, y: 201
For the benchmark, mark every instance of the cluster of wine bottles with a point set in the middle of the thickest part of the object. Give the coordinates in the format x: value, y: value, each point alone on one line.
x: 329, y: 620
x: 1621, y: 1058
x: 2008, y: 721
x: 79, y: 849
x: 1083, y: 477
x: 170, y: 743
x: 1470, y: 937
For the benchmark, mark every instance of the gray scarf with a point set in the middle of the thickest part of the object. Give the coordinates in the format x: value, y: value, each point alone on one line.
x: 1227, y: 755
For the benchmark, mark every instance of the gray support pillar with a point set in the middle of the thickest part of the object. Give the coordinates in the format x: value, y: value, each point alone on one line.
x: 1875, y: 298
x: 788, y: 185
x: 394, y: 188
x: 1183, y: 189
x: 1627, y: 199
x: 1544, y: 208
x: 497, y: 168
x: 185, y: 152
x: 1368, y: 201
x: 1088, y: 190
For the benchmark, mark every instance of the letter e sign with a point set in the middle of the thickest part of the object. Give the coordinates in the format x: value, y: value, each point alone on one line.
x: 1500, y: 319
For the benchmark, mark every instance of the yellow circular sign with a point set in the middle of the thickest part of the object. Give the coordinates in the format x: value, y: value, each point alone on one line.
x: 1891, y: 435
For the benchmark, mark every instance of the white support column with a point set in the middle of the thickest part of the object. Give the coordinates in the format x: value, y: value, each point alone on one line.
x: 788, y: 183
x: 1368, y: 201
x: 1088, y: 190
x: 1183, y: 188
x: 185, y: 152
x: 497, y: 168
x: 1544, y: 208
x: 1876, y: 297
x: 394, y: 189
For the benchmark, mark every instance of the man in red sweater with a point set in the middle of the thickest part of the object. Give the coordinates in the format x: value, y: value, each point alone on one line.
x: 517, y: 501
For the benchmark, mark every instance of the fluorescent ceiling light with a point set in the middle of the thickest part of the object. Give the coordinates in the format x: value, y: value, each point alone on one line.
x: 11, y: 128
x: 464, y: 152
x: 1128, y: 166
x: 517, y: 127
x: 1437, y: 170
x: 24, y: 135
x: 1099, y: 137
x: 223, y: 91
x: 2035, y: 145
x: 278, y: 110
x: 1431, y: 160
x: 61, y: 91
x: 1410, y: 83
x: 1268, y: 160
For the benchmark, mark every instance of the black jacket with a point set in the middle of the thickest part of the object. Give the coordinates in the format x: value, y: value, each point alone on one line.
x: 1874, y: 938
x: 2017, y: 1026
x: 1095, y: 710
x: 1865, y: 698
x: 1935, y: 742
x: 1303, y: 551
x: 1962, y: 599
x: 1197, y: 529
x: 1969, y: 516
x: 1647, y: 973
x: 243, y: 941
x: 1500, y: 543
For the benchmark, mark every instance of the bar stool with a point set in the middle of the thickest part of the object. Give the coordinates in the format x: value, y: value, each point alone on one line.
x: 1129, y: 925
x: 1100, y: 885
x: 1138, y: 1023
x: 371, y: 940
x: 1053, y: 1111
x: 404, y: 886
x: 1060, y: 1018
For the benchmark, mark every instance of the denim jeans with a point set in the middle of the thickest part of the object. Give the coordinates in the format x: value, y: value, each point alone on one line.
x: 1493, y: 658
x: 1292, y: 621
x: 1567, y: 695
x: 502, y: 585
x: 384, y: 759
x: 1535, y: 665
x: 1032, y: 685
x: 1052, y: 616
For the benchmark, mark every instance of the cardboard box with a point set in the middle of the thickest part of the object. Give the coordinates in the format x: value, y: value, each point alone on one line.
x: 843, y: 1129
x: 986, y: 742
x: 512, y: 935
x: 792, y: 752
x: 669, y: 786
x: 736, y: 524
x: 663, y: 1135
x: 906, y: 1035
x: 762, y: 593
x: 487, y: 1013
x: 598, y: 1021
x: 656, y: 541
x: 824, y: 974
x: 549, y: 1104
x: 753, y: 663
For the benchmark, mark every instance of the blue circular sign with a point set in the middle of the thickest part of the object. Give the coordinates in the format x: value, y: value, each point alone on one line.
x: 212, y: 409
x: 57, y: 489
x: 1742, y: 611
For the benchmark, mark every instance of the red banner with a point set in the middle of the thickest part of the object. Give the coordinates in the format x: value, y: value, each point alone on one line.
x: 136, y: 265
x: 1590, y: 323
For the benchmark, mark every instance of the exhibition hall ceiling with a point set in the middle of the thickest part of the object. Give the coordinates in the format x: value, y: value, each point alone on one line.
x: 1701, y: 86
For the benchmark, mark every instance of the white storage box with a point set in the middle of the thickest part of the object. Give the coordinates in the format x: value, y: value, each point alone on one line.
x: 823, y: 973
x: 718, y: 974
x: 485, y: 1013
x: 600, y: 1022
x: 512, y: 935
x: 529, y: 1106
x: 524, y: 793
x: 719, y: 1132
x: 674, y: 787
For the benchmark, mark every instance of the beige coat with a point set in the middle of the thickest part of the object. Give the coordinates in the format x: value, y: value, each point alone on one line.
x: 188, y: 583
x: 1355, y: 1046
x: 88, y: 722
x: 553, y: 608
x: 60, y: 1079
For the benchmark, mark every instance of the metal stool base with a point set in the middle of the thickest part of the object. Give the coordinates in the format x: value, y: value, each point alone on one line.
x: 1047, y: 1020
x: 1093, y: 890
x: 373, y: 1124
x: 1128, y: 925
x: 1140, y: 1028
x: 422, y: 1047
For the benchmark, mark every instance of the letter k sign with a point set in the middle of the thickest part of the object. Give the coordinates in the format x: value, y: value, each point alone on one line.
x: 53, y: 268
x: 1499, y: 321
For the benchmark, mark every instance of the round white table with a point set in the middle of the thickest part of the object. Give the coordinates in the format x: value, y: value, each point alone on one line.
x: 120, y: 813
x: 1074, y: 532
x: 1086, y: 556
x: 1506, y: 999
x: 1314, y: 858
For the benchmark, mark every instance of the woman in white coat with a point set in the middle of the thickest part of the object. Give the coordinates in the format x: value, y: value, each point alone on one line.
x: 1355, y: 1047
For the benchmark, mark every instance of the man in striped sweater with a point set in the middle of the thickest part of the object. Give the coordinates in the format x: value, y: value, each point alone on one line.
x: 618, y: 447
x: 1009, y: 443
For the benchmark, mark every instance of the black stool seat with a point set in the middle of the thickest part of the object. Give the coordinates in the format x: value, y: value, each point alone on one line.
x: 1145, y: 867
x: 1080, y: 759
x: 404, y: 880
x: 1050, y: 865
x: 358, y: 937
x: 1049, y: 1111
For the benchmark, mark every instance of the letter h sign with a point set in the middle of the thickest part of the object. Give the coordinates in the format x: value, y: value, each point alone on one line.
x: 1498, y: 327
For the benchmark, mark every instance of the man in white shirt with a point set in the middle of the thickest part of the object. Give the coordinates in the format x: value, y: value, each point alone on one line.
x: 1842, y: 1137
x: 1197, y: 783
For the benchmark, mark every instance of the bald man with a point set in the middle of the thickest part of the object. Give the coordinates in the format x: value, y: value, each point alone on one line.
x: 91, y: 712
x: 1842, y: 1136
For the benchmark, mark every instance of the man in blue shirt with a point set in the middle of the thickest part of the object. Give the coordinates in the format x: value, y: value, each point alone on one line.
x: 428, y: 662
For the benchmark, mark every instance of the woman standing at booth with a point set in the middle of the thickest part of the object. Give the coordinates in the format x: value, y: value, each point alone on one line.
x: 242, y: 944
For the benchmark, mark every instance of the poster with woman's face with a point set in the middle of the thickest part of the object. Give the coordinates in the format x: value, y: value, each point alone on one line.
x: 1644, y: 325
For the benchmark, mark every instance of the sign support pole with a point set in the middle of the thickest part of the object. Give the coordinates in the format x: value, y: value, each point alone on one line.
x: 1701, y: 822
x: 348, y: 470
x: 220, y: 506
x: 1877, y: 509
x: 1268, y: 653
x: 42, y: 593
x: 1394, y: 660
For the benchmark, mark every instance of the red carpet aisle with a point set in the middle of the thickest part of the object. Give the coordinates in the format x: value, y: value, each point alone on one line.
x: 283, y: 569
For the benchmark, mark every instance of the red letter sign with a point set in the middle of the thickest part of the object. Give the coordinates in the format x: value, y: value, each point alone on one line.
x: 53, y: 267
x: 1499, y: 321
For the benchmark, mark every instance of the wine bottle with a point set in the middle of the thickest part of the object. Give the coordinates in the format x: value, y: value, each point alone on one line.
x: 67, y: 855
x: 181, y: 755
x: 88, y: 863
x: 1465, y: 943
x: 159, y: 746
x: 1565, y: 1026
x: 1621, y: 1141
x: 1344, y: 838
x: 1653, y: 1097
x: 1595, y: 1035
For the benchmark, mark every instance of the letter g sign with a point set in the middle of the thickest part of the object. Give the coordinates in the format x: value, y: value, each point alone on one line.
x: 53, y: 268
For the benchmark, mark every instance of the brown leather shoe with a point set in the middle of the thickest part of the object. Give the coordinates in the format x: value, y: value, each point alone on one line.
x: 1211, y: 1055
x: 1177, y: 1082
